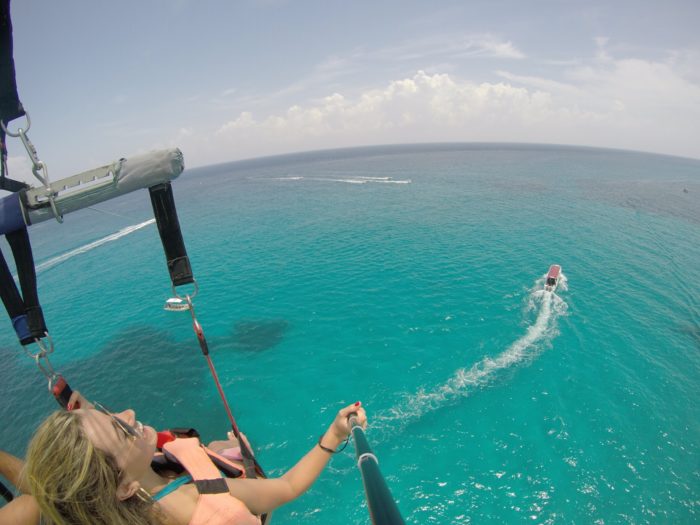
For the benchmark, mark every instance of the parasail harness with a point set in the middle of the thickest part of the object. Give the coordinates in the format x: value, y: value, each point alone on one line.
x: 26, y: 205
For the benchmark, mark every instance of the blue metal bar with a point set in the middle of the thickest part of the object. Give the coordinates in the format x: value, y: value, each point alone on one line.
x: 380, y: 503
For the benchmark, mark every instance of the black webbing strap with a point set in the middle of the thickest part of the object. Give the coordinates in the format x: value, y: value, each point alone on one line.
x: 13, y: 303
x: 24, y: 310
x: 169, y: 229
x: 6, y: 493
x: 10, y: 106
x: 212, y: 486
x: 24, y: 261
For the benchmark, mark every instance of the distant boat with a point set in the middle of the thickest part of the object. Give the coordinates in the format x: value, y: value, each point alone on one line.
x: 553, y: 276
x: 175, y: 304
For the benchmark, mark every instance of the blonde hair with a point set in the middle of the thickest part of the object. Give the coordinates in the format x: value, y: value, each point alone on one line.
x: 76, y: 483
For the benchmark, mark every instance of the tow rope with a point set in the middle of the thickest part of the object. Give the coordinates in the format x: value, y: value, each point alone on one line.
x: 180, y: 271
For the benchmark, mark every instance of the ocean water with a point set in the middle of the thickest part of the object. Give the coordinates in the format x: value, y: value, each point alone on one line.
x: 408, y: 277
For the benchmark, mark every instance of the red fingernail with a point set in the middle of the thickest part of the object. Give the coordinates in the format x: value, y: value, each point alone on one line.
x: 357, y: 404
x: 69, y: 407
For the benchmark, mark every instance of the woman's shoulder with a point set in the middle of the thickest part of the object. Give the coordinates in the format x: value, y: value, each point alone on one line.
x: 23, y: 510
x: 179, y: 505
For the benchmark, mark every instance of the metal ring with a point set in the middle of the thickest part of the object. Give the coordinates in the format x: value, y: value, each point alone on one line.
x: 187, y: 296
x: 43, y: 351
x: 20, y: 130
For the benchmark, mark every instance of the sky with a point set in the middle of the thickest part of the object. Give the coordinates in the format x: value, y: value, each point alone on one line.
x: 228, y: 80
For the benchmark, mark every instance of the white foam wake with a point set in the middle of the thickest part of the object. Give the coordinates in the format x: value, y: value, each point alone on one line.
x: 351, y: 180
x: 91, y: 246
x: 466, y: 381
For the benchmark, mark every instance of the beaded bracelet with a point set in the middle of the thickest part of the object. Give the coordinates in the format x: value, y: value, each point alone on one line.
x: 330, y: 450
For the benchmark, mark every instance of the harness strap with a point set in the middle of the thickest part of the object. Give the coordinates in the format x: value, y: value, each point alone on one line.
x: 13, y: 303
x: 10, y: 106
x: 170, y: 234
x: 24, y: 310
x: 24, y: 260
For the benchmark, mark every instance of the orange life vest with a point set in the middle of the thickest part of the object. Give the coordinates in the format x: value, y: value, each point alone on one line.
x: 215, y: 504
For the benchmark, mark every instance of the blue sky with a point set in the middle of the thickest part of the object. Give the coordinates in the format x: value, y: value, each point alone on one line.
x: 226, y: 80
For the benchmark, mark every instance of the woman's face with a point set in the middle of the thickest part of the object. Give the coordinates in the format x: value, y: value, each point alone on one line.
x: 133, y: 454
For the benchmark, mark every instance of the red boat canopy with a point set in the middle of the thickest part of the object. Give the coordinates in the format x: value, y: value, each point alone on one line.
x: 554, y: 271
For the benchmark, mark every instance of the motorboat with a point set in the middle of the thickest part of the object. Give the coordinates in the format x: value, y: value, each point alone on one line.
x: 553, y: 277
x: 175, y: 304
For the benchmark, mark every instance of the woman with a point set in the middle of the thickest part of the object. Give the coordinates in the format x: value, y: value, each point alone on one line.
x: 88, y: 466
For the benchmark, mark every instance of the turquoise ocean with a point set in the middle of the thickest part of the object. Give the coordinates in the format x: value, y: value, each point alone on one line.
x: 410, y: 278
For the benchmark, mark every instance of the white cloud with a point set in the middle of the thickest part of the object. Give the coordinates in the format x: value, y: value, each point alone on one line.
x: 628, y: 103
x: 458, y: 46
x: 546, y: 84
x: 415, y: 51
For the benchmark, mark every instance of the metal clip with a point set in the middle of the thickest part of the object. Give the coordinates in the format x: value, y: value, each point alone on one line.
x: 203, y: 345
x: 46, y: 368
x: 37, y: 165
x: 52, y: 380
x: 190, y: 307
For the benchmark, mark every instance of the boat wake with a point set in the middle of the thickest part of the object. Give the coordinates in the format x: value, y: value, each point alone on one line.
x: 348, y: 180
x: 466, y: 381
x: 91, y: 246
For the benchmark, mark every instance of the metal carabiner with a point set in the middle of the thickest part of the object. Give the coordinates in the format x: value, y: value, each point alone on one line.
x: 197, y: 328
x: 37, y: 165
x: 190, y: 307
x: 47, y: 368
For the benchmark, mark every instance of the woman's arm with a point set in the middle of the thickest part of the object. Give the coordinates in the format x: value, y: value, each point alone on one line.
x: 11, y: 468
x: 23, y: 510
x: 264, y: 495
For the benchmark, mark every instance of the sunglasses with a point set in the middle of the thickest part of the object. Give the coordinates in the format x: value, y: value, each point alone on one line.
x: 129, y: 431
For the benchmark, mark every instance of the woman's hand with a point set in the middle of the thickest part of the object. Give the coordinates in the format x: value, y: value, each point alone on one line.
x: 77, y: 400
x: 340, y: 428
